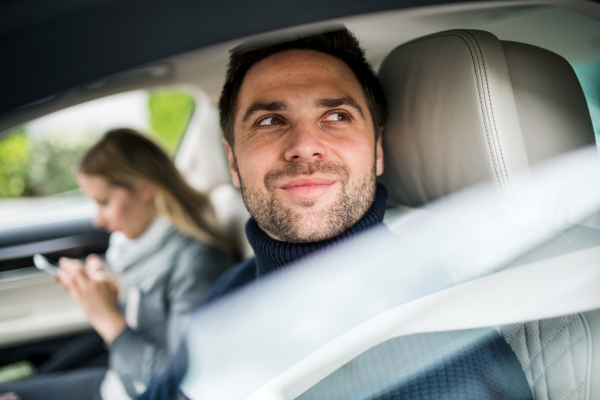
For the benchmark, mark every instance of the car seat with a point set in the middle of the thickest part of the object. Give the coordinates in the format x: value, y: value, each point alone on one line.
x: 464, y: 108
x: 203, y: 161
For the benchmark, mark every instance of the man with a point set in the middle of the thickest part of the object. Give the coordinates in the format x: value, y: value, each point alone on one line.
x: 302, y: 122
x: 305, y: 155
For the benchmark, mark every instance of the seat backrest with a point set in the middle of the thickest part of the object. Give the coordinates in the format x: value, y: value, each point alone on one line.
x: 202, y: 160
x: 465, y: 107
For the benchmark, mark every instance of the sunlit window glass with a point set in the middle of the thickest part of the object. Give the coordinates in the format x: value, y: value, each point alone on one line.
x: 39, y: 158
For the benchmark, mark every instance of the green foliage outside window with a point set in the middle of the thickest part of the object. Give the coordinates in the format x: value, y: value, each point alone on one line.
x: 170, y: 111
x: 43, y: 167
x: 52, y: 169
x: 14, y: 164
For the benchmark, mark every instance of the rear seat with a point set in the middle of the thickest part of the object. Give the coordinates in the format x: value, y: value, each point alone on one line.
x: 203, y: 162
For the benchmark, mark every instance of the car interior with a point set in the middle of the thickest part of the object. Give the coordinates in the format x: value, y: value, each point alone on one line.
x: 518, y: 105
x: 485, y: 81
x: 477, y: 92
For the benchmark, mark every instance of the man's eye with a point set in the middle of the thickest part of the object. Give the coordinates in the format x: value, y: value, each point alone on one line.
x: 337, y: 117
x: 271, y: 121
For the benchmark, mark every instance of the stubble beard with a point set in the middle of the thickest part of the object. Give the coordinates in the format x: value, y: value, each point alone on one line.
x: 289, y: 225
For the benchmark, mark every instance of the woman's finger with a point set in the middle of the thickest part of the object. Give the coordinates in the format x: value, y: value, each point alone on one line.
x: 93, y: 262
x: 65, y: 278
x: 80, y: 278
x: 68, y: 268
x: 70, y: 264
x: 95, y: 268
x: 74, y: 279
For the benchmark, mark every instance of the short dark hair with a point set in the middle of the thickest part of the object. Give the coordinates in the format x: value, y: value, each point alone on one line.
x: 339, y: 43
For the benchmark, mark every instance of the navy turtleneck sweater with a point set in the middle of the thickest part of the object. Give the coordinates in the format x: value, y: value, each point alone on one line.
x: 271, y: 255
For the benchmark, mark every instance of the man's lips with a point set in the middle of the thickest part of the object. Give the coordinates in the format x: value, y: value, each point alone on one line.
x: 307, y: 187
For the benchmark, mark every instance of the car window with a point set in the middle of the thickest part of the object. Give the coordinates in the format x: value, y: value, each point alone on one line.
x: 38, y: 158
x: 40, y: 204
x: 589, y: 77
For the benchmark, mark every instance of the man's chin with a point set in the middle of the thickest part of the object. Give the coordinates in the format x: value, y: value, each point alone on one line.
x: 308, y: 208
x: 298, y: 199
x: 304, y: 225
x: 305, y: 219
x: 305, y: 236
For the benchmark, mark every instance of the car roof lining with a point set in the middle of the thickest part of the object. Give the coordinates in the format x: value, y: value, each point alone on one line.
x: 379, y: 33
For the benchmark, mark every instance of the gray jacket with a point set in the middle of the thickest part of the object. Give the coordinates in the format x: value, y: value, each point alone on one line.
x: 166, y: 275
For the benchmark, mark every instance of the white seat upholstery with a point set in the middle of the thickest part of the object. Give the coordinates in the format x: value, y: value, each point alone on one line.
x: 203, y: 162
x: 232, y: 215
x: 554, y: 354
x: 465, y: 108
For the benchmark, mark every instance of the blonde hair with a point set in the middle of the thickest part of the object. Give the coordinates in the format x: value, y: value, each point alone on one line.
x: 124, y: 157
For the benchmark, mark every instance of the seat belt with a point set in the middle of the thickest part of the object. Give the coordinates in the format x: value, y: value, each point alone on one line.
x: 559, y: 286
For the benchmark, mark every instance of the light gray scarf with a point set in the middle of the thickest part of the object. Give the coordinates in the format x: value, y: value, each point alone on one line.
x: 143, y: 260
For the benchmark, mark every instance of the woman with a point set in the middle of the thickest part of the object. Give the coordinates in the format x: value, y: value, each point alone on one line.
x: 166, y: 246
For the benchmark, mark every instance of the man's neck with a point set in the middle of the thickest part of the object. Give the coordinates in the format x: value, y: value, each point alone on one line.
x: 273, y: 254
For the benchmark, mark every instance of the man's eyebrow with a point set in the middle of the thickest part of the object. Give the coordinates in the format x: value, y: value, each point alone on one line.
x: 272, y: 106
x: 340, y: 101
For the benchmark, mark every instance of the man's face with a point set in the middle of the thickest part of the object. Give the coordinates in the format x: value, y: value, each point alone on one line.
x: 306, y: 157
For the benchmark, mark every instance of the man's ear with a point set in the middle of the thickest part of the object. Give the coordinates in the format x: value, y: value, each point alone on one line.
x: 379, y: 153
x: 232, y: 165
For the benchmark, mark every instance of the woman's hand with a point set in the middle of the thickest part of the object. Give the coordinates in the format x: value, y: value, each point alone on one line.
x: 95, y: 292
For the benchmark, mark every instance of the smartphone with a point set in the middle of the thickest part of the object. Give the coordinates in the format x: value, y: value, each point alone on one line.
x: 43, y: 264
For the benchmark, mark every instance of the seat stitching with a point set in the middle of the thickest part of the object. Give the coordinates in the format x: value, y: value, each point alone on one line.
x: 540, y: 374
x: 539, y: 353
x: 573, y: 390
x: 535, y: 377
x: 579, y: 383
x: 560, y: 355
x: 576, y: 387
x: 511, y: 194
x: 571, y: 361
x: 589, y: 349
x: 487, y: 134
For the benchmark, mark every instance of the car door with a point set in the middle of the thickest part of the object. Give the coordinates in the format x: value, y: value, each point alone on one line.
x: 42, y: 211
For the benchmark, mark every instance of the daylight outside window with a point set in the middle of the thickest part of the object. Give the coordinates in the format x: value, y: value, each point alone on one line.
x: 39, y: 159
x: 588, y: 74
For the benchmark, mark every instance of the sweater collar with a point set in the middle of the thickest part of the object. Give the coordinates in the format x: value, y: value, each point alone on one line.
x: 271, y: 254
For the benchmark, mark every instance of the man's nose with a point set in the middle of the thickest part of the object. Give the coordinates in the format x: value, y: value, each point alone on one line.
x: 305, y: 143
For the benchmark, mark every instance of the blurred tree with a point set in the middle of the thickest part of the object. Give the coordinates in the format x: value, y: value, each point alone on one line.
x: 45, y: 166
x: 14, y: 163
x: 170, y: 112
x: 52, y: 168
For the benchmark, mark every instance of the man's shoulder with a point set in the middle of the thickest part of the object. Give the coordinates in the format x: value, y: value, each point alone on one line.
x: 238, y: 276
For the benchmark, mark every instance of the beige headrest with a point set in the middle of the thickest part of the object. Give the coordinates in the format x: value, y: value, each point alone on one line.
x: 465, y: 107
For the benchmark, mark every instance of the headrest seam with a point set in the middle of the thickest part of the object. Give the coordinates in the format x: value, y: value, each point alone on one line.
x: 508, y: 184
x: 493, y: 140
x: 481, y: 100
